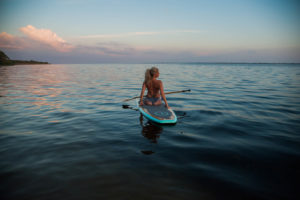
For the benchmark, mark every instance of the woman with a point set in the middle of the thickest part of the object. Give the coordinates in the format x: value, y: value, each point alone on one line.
x: 155, y: 89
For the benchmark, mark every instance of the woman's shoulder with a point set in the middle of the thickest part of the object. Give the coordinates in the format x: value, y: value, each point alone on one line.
x: 158, y: 82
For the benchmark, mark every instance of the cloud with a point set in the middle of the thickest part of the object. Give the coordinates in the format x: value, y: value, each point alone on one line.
x: 47, y: 40
x: 107, y: 49
x: 48, y: 37
x: 134, y: 34
x: 44, y: 43
x: 8, y: 41
x: 110, y: 36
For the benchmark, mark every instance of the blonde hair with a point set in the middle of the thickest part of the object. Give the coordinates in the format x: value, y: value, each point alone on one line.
x: 149, y: 74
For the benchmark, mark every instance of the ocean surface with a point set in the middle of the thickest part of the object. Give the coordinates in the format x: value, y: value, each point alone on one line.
x: 64, y: 133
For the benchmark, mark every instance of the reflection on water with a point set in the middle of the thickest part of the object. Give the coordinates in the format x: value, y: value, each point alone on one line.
x: 41, y: 89
x: 151, y: 132
x: 65, y: 135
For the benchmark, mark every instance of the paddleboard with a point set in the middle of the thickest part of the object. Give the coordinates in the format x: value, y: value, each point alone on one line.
x: 158, y: 114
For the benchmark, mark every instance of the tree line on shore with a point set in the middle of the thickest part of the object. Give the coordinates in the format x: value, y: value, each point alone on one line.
x: 5, y: 60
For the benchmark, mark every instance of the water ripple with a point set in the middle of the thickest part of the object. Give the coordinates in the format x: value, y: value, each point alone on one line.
x: 65, y: 135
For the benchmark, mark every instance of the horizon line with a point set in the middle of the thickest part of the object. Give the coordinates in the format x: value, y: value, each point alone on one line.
x: 293, y: 63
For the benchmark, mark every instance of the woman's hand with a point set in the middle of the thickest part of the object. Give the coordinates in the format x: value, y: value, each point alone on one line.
x: 167, y: 106
x: 141, y: 103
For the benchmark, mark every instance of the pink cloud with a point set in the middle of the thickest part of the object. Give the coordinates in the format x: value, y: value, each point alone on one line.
x: 47, y: 37
x: 8, y: 41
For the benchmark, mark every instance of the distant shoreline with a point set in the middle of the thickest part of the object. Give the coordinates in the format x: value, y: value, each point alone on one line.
x: 6, y: 61
x: 22, y: 62
x: 25, y: 62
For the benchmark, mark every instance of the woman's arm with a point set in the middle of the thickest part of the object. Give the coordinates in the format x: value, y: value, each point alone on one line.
x: 142, y: 94
x: 163, y: 94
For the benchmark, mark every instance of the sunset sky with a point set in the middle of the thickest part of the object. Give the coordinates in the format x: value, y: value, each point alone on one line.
x: 140, y: 31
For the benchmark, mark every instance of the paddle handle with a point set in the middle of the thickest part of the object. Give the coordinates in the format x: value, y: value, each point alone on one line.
x: 165, y: 93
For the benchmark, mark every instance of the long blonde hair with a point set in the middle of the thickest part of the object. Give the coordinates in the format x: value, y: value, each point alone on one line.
x: 149, y: 74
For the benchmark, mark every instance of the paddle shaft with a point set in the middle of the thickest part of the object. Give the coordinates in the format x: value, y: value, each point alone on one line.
x: 165, y: 93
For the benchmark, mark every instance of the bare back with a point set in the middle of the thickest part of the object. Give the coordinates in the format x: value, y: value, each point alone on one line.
x: 153, y: 88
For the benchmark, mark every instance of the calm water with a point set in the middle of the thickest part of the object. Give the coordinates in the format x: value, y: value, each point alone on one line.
x: 65, y: 135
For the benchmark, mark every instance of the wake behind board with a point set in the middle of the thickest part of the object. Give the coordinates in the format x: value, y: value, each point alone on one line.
x: 159, y: 114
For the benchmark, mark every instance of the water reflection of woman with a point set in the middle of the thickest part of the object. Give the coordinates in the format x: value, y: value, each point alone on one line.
x: 150, y: 131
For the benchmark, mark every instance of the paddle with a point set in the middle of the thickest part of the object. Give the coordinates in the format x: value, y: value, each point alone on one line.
x: 180, y: 91
x: 129, y: 107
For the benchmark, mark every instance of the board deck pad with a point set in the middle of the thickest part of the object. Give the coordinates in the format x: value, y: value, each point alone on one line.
x: 159, y: 114
x: 158, y: 111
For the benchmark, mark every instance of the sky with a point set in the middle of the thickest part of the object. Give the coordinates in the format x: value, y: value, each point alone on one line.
x: 143, y: 31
